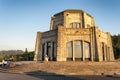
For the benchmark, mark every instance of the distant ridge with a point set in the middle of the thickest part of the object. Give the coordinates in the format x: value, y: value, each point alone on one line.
x: 11, y: 52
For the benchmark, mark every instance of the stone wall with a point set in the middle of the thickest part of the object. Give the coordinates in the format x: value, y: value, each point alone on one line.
x: 37, y: 46
x: 104, y: 40
x: 92, y: 35
x: 66, y: 35
x: 49, y: 36
x: 71, y: 17
x: 44, y: 38
x: 88, y: 20
x: 62, y: 36
x: 61, y: 33
x: 57, y: 20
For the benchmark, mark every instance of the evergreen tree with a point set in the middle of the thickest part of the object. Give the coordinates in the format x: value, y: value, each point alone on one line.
x: 116, y: 45
x: 26, y: 51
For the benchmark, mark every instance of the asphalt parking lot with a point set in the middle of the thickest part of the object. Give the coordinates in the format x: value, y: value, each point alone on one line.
x: 8, y: 76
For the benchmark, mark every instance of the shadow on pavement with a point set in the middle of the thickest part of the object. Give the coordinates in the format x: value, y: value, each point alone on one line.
x: 115, y: 76
x: 51, y: 76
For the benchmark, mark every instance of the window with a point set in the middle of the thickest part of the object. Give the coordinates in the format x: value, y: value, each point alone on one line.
x: 69, y: 51
x: 103, y: 51
x: 78, y: 25
x: 43, y: 51
x: 78, y: 50
x: 75, y: 25
x: 87, y: 50
x: 48, y: 48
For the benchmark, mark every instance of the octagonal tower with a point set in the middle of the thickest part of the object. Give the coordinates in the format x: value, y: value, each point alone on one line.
x: 72, y: 19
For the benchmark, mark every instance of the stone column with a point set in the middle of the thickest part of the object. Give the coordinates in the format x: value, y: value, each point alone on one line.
x: 91, y: 46
x: 111, y: 48
x: 51, y: 23
x: 83, y: 50
x: 106, y: 53
x: 59, y: 44
x: 97, y: 51
x: 73, y: 54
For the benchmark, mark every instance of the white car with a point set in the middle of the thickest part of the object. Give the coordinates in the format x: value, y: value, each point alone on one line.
x: 6, y: 62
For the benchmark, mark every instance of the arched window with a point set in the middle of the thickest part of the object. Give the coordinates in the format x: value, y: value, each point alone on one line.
x: 76, y: 50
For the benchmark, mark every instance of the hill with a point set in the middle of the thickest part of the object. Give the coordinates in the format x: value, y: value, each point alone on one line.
x: 10, y: 52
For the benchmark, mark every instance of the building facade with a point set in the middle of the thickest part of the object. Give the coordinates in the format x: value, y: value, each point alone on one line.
x: 73, y: 36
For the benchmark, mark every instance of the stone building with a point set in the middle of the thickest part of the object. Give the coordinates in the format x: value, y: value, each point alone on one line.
x: 73, y: 36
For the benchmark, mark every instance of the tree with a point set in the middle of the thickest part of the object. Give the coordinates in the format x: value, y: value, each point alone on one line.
x: 116, y: 45
x: 1, y: 58
x: 26, y: 51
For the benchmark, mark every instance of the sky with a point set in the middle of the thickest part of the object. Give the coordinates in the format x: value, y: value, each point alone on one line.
x: 20, y: 20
